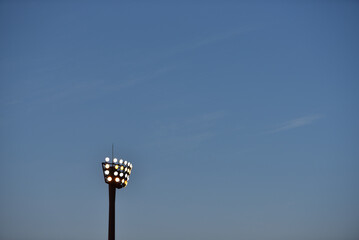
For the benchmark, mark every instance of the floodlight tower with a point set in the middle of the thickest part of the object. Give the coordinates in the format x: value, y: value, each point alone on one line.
x: 116, y: 174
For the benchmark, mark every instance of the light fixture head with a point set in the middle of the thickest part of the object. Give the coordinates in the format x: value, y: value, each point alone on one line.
x: 116, y: 172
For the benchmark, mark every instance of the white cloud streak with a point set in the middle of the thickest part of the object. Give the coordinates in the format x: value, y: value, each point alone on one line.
x: 296, y: 123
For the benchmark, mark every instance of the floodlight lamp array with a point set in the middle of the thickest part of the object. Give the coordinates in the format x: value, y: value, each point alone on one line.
x: 116, y: 172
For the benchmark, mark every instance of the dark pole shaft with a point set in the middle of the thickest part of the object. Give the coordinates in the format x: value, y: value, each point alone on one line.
x: 111, y: 219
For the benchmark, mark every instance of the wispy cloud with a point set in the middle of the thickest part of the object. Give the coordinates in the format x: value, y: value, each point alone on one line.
x: 69, y: 92
x: 204, y: 41
x: 209, y: 40
x: 193, y: 43
x: 187, y: 132
x: 138, y: 79
x: 204, y: 121
x: 296, y: 123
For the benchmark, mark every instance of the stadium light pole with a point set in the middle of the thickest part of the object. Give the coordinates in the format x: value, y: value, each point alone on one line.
x: 116, y: 174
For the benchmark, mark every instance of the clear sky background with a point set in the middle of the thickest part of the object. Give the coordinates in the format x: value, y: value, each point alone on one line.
x: 241, y: 119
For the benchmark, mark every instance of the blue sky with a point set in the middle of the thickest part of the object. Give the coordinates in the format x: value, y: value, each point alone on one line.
x: 240, y: 118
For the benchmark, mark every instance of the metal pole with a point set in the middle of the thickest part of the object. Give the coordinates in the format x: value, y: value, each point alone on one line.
x: 111, y: 219
x: 111, y: 214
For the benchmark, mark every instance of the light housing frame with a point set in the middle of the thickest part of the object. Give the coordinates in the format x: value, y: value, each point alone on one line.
x: 112, y: 169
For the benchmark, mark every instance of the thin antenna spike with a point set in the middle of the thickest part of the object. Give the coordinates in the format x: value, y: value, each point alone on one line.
x: 112, y: 152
